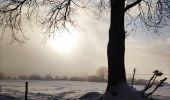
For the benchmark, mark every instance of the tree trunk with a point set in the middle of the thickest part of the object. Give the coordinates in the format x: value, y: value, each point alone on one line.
x: 116, y: 44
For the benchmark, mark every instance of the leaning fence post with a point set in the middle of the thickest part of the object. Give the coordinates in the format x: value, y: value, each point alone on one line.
x: 134, y: 71
x: 26, y: 90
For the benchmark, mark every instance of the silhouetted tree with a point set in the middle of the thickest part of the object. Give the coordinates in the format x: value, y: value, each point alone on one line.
x: 153, y: 14
x: 8, y: 77
x: 2, y: 75
x: 22, y: 77
x: 48, y: 77
x: 57, y: 78
x: 35, y: 77
x: 102, y: 73
x: 64, y: 78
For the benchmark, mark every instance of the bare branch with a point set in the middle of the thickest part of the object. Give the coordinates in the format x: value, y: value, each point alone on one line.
x: 132, y: 5
x: 159, y: 85
x: 60, y: 15
x: 152, y: 80
x: 150, y: 15
x: 11, y: 19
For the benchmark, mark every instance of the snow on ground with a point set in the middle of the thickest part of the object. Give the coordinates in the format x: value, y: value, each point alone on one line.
x: 60, y: 90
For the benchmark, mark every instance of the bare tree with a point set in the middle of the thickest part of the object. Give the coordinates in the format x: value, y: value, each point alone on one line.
x: 150, y: 14
x: 2, y: 75
x: 35, y: 77
x: 102, y: 73
x: 23, y: 77
x: 48, y: 77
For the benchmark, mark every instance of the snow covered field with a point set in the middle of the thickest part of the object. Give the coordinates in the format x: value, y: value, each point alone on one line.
x: 59, y: 90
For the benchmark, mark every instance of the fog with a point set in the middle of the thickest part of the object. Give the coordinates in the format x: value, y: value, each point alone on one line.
x: 145, y: 52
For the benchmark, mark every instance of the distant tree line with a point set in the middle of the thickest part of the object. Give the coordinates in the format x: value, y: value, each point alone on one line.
x: 3, y: 76
x: 100, y: 76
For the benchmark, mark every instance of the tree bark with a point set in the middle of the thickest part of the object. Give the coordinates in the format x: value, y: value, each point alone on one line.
x: 116, y: 44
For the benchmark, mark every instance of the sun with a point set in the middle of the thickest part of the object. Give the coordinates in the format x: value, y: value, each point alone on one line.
x: 64, y: 43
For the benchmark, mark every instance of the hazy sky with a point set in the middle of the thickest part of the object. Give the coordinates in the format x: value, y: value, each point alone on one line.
x: 84, y: 51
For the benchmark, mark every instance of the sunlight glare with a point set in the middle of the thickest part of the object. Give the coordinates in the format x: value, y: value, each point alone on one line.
x: 65, y: 42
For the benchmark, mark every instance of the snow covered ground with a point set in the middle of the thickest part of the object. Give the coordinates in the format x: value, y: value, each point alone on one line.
x: 60, y: 90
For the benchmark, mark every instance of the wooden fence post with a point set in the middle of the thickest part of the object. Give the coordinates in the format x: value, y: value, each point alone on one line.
x: 134, y: 71
x: 26, y: 90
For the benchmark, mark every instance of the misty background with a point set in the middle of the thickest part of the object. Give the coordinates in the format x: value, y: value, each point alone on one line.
x: 145, y: 51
